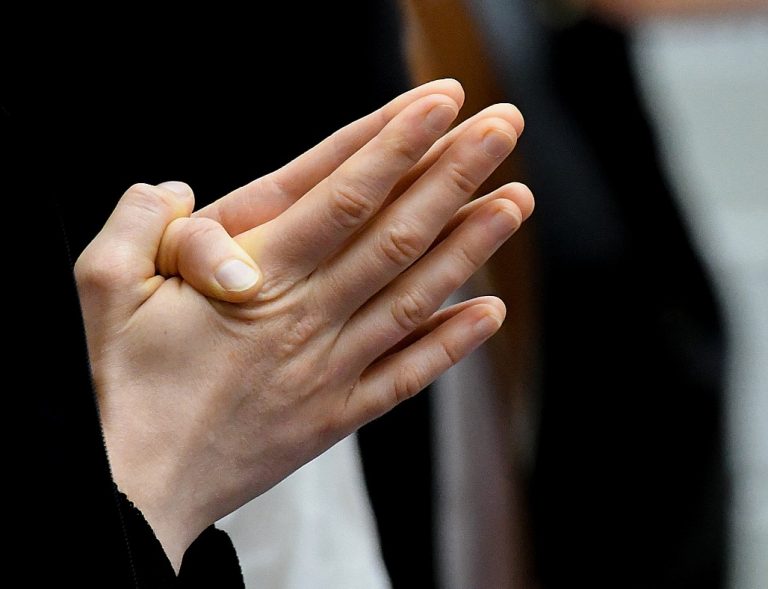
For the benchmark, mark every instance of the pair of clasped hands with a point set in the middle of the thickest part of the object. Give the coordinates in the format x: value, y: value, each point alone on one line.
x: 231, y: 345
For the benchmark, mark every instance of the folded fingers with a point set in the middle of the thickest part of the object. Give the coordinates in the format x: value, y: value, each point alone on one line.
x: 407, y: 228
x: 401, y: 375
x: 202, y: 252
x: 404, y: 305
x: 265, y: 198
x: 294, y: 244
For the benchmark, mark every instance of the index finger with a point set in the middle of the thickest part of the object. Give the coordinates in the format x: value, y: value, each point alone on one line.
x: 267, y: 197
x: 295, y: 243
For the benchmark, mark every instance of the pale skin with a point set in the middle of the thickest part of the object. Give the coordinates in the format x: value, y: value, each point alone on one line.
x: 216, y: 380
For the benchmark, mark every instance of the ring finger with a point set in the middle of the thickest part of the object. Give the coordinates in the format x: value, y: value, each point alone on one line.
x: 406, y: 229
x: 410, y: 300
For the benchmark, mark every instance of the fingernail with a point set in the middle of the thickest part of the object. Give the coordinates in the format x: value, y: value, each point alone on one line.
x: 440, y: 118
x: 487, y: 325
x: 236, y: 276
x: 497, y: 143
x: 177, y: 187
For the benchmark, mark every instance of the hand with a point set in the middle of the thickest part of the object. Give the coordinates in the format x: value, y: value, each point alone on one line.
x: 205, y: 404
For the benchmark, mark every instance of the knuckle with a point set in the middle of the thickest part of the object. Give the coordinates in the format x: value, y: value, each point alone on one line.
x: 147, y: 198
x: 99, y: 269
x: 467, y: 259
x: 351, y: 203
x: 400, y: 244
x: 200, y: 229
x: 410, y: 310
x: 407, y: 382
x: 451, y: 355
x: 85, y: 269
x: 402, y: 149
x: 275, y: 284
x: 461, y: 180
x: 298, y: 333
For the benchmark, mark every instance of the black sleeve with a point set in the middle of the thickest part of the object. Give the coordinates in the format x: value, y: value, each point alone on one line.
x: 103, y: 106
x: 72, y: 524
x: 209, y: 562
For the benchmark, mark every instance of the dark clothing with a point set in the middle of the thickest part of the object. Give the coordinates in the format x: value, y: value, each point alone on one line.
x: 628, y: 486
x: 80, y: 527
x: 209, y: 99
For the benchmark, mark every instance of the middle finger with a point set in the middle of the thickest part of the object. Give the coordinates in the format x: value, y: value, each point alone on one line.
x: 404, y: 231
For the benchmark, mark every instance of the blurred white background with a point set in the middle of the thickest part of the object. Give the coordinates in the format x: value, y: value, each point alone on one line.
x: 706, y: 86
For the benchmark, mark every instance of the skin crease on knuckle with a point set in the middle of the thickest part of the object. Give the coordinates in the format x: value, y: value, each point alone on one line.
x: 299, y: 331
x: 406, y: 384
x: 461, y: 179
x: 467, y: 259
x: 275, y: 286
x: 351, y: 203
x: 298, y: 315
x: 466, y: 171
x: 271, y: 379
x: 400, y: 243
x: 150, y: 199
x: 452, y: 356
x: 409, y: 310
x: 400, y: 147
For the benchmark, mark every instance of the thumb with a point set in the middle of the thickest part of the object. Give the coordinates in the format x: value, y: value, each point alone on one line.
x: 202, y: 252
x: 119, y: 264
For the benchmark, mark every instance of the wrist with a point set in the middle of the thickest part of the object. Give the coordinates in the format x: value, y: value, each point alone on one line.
x: 157, y: 491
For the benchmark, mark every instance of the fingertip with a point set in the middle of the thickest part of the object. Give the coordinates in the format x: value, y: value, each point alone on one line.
x: 519, y: 121
x: 497, y: 141
x: 522, y: 196
x: 504, y: 218
x: 489, y: 319
x: 506, y: 111
x: 457, y: 90
x: 449, y: 86
x: 441, y: 112
x: 494, y: 306
x: 486, y: 300
x: 513, y: 115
